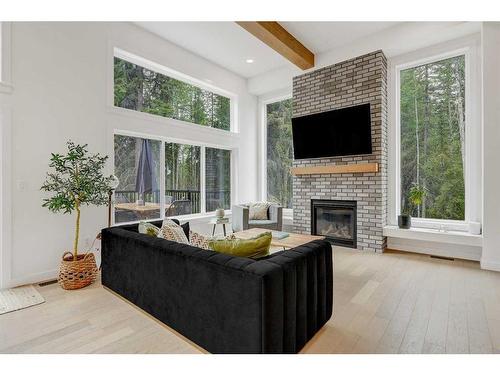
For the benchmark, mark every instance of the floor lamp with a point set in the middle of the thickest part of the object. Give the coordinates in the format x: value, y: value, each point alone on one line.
x: 114, y: 182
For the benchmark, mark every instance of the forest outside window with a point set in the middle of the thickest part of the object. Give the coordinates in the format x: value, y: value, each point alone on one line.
x: 140, y: 89
x: 138, y: 164
x: 279, y: 152
x: 432, y: 139
x: 217, y: 179
x: 182, y: 179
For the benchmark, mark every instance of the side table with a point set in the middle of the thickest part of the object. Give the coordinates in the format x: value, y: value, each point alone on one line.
x: 216, y: 221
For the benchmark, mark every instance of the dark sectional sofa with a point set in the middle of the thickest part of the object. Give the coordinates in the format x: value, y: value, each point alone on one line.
x: 224, y: 304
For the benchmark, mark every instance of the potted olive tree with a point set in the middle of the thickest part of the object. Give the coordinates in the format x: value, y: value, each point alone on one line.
x: 76, y: 180
x: 415, y: 198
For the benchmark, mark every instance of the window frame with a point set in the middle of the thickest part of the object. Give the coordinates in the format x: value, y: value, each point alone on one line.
x: 158, y: 68
x: 467, y: 47
x: 203, y: 146
x: 5, y: 57
x: 287, y: 212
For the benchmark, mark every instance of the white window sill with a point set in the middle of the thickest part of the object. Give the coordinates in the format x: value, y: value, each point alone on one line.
x: 200, y: 217
x: 434, y: 235
x: 131, y: 113
x: 182, y: 218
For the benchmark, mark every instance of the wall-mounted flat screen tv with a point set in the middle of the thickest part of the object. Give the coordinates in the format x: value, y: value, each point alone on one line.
x: 340, y: 132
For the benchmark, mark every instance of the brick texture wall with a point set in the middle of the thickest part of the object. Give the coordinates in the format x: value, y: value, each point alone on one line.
x: 352, y: 82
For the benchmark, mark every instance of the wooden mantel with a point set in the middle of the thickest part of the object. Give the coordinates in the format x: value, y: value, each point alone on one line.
x: 336, y: 169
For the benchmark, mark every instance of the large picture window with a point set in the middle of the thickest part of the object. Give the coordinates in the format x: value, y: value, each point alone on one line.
x: 218, y: 178
x: 143, y: 195
x: 279, y: 152
x: 182, y: 178
x: 432, y: 129
x: 145, y: 90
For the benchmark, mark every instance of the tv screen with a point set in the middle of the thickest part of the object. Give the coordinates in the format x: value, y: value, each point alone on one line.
x: 340, y: 132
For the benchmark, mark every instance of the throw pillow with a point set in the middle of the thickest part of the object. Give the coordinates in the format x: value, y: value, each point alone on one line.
x: 149, y: 229
x: 201, y: 241
x: 184, y: 226
x: 258, y: 211
x: 173, y: 232
x: 256, y: 247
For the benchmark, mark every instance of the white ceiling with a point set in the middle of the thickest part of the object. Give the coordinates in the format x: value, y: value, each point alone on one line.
x: 228, y: 45
x: 321, y: 37
x: 224, y: 43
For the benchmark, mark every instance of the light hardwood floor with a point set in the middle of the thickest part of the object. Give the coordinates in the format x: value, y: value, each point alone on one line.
x: 383, y: 303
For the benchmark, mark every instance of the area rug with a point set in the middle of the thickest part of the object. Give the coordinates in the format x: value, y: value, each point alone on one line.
x: 19, y: 298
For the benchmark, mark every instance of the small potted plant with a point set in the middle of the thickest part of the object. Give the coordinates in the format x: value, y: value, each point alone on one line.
x: 415, y: 198
x: 76, y: 180
x: 404, y: 220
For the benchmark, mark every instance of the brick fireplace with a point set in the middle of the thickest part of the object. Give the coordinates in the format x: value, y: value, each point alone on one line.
x: 357, y: 81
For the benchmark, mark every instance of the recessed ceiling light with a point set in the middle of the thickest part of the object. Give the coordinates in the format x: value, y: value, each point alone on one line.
x: 249, y: 61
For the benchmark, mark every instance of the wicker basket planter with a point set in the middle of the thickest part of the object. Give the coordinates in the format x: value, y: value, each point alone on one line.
x: 76, y: 274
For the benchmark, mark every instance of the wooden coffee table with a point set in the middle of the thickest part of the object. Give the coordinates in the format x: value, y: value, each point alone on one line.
x: 293, y: 240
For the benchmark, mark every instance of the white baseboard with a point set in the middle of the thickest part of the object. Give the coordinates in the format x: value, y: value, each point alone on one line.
x: 33, y: 279
x: 490, y: 265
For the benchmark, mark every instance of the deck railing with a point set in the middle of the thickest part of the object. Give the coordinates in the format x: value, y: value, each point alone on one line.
x: 214, y: 198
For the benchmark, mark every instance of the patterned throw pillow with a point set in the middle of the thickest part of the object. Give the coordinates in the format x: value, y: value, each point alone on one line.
x: 149, y: 229
x: 198, y: 240
x: 258, y: 211
x: 173, y: 232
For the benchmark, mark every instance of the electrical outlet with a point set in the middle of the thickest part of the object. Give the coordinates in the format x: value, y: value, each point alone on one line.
x: 21, y: 185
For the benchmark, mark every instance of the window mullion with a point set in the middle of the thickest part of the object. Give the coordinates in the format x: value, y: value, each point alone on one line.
x: 264, y: 155
x: 202, y: 180
x: 162, y: 180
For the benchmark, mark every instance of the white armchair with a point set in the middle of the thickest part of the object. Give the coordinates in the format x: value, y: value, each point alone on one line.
x: 241, y: 221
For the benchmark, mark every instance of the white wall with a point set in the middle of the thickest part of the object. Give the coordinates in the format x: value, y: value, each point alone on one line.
x: 61, y: 76
x: 491, y: 140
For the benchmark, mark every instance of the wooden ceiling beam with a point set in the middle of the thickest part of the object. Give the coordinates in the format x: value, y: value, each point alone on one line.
x: 276, y: 37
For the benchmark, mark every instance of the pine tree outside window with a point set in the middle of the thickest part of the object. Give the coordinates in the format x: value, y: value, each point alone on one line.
x: 144, y: 90
x: 279, y: 152
x: 432, y: 138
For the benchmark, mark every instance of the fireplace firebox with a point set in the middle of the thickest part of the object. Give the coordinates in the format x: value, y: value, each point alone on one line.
x: 336, y: 220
